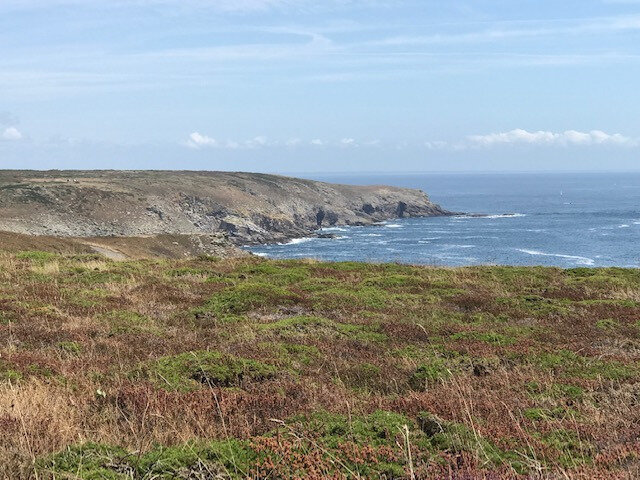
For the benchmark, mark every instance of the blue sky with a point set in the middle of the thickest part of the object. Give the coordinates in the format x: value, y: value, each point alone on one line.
x: 310, y: 86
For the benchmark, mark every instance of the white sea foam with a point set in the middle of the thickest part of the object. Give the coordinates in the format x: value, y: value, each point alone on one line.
x: 624, y: 225
x: 297, y: 241
x: 579, y: 260
x: 481, y: 237
x: 260, y: 254
x: 334, y: 229
x: 498, y: 215
x: 506, y: 215
x: 371, y: 235
x: 455, y: 258
x: 393, y: 225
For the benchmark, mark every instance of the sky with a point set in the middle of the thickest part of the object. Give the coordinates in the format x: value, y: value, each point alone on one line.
x: 321, y: 86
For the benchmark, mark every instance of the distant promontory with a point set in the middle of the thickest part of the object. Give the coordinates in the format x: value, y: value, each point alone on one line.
x: 240, y: 208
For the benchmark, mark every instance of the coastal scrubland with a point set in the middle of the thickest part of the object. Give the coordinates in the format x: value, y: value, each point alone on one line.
x: 250, y: 368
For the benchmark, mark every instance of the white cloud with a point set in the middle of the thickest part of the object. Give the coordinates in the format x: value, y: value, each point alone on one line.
x: 513, y: 136
x: 257, y: 142
x: 348, y: 142
x: 568, y: 138
x: 11, y: 133
x: 541, y: 137
x: 197, y: 140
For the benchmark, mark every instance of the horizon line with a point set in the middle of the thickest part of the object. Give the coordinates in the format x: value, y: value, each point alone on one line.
x: 344, y: 172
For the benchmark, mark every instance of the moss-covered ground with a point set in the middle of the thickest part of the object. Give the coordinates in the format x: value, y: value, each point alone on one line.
x: 250, y: 368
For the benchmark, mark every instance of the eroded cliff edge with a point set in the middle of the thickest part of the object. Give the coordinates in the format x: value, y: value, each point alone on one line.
x: 245, y: 208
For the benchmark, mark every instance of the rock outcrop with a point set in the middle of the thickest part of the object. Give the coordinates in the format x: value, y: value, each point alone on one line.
x: 246, y: 208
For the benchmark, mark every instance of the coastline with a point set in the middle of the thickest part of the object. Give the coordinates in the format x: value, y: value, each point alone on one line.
x: 244, y: 208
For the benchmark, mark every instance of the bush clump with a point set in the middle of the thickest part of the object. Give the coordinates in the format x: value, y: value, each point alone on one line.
x: 428, y: 374
x: 245, y: 297
x: 191, y: 370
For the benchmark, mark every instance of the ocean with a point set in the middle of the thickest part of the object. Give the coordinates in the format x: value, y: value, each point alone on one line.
x: 564, y: 220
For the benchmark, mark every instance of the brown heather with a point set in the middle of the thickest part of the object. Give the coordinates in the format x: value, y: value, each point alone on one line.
x: 247, y: 368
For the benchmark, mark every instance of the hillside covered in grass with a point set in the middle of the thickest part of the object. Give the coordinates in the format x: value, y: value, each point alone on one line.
x: 248, y: 368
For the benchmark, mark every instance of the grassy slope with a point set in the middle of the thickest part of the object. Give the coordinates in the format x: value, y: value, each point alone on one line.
x: 160, y: 246
x: 261, y: 369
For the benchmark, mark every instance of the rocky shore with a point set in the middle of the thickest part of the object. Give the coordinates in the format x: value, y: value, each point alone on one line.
x: 236, y: 208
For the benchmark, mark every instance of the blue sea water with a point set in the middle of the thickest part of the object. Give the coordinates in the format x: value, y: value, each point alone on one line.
x: 564, y: 220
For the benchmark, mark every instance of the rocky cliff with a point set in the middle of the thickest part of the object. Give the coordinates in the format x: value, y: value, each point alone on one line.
x: 246, y: 208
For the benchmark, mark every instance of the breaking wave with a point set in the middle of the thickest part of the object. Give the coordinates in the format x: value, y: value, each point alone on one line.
x: 578, y: 260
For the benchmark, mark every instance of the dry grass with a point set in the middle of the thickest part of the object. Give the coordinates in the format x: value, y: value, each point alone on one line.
x: 49, y: 268
x: 528, y: 372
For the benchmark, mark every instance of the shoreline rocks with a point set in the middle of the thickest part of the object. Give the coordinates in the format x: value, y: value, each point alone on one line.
x: 242, y: 208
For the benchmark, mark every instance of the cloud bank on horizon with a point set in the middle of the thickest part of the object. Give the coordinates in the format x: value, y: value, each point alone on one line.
x: 570, y: 137
x: 516, y: 136
x: 299, y: 85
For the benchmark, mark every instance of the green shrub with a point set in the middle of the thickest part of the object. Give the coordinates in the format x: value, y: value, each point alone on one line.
x: 223, y: 459
x: 36, y: 256
x: 457, y: 438
x: 570, y: 364
x: 9, y: 375
x: 429, y: 373
x: 226, y: 459
x: 571, y: 450
x: 90, y: 461
x: 192, y: 370
x: 246, y: 297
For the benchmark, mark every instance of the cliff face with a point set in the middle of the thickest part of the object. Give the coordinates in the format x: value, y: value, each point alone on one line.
x: 245, y: 207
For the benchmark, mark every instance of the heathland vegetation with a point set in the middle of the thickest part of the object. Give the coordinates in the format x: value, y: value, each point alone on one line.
x: 249, y: 368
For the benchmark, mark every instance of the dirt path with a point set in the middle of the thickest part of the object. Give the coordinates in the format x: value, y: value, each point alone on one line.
x: 108, y: 252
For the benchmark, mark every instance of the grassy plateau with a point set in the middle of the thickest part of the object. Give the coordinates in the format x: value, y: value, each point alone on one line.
x: 249, y: 368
